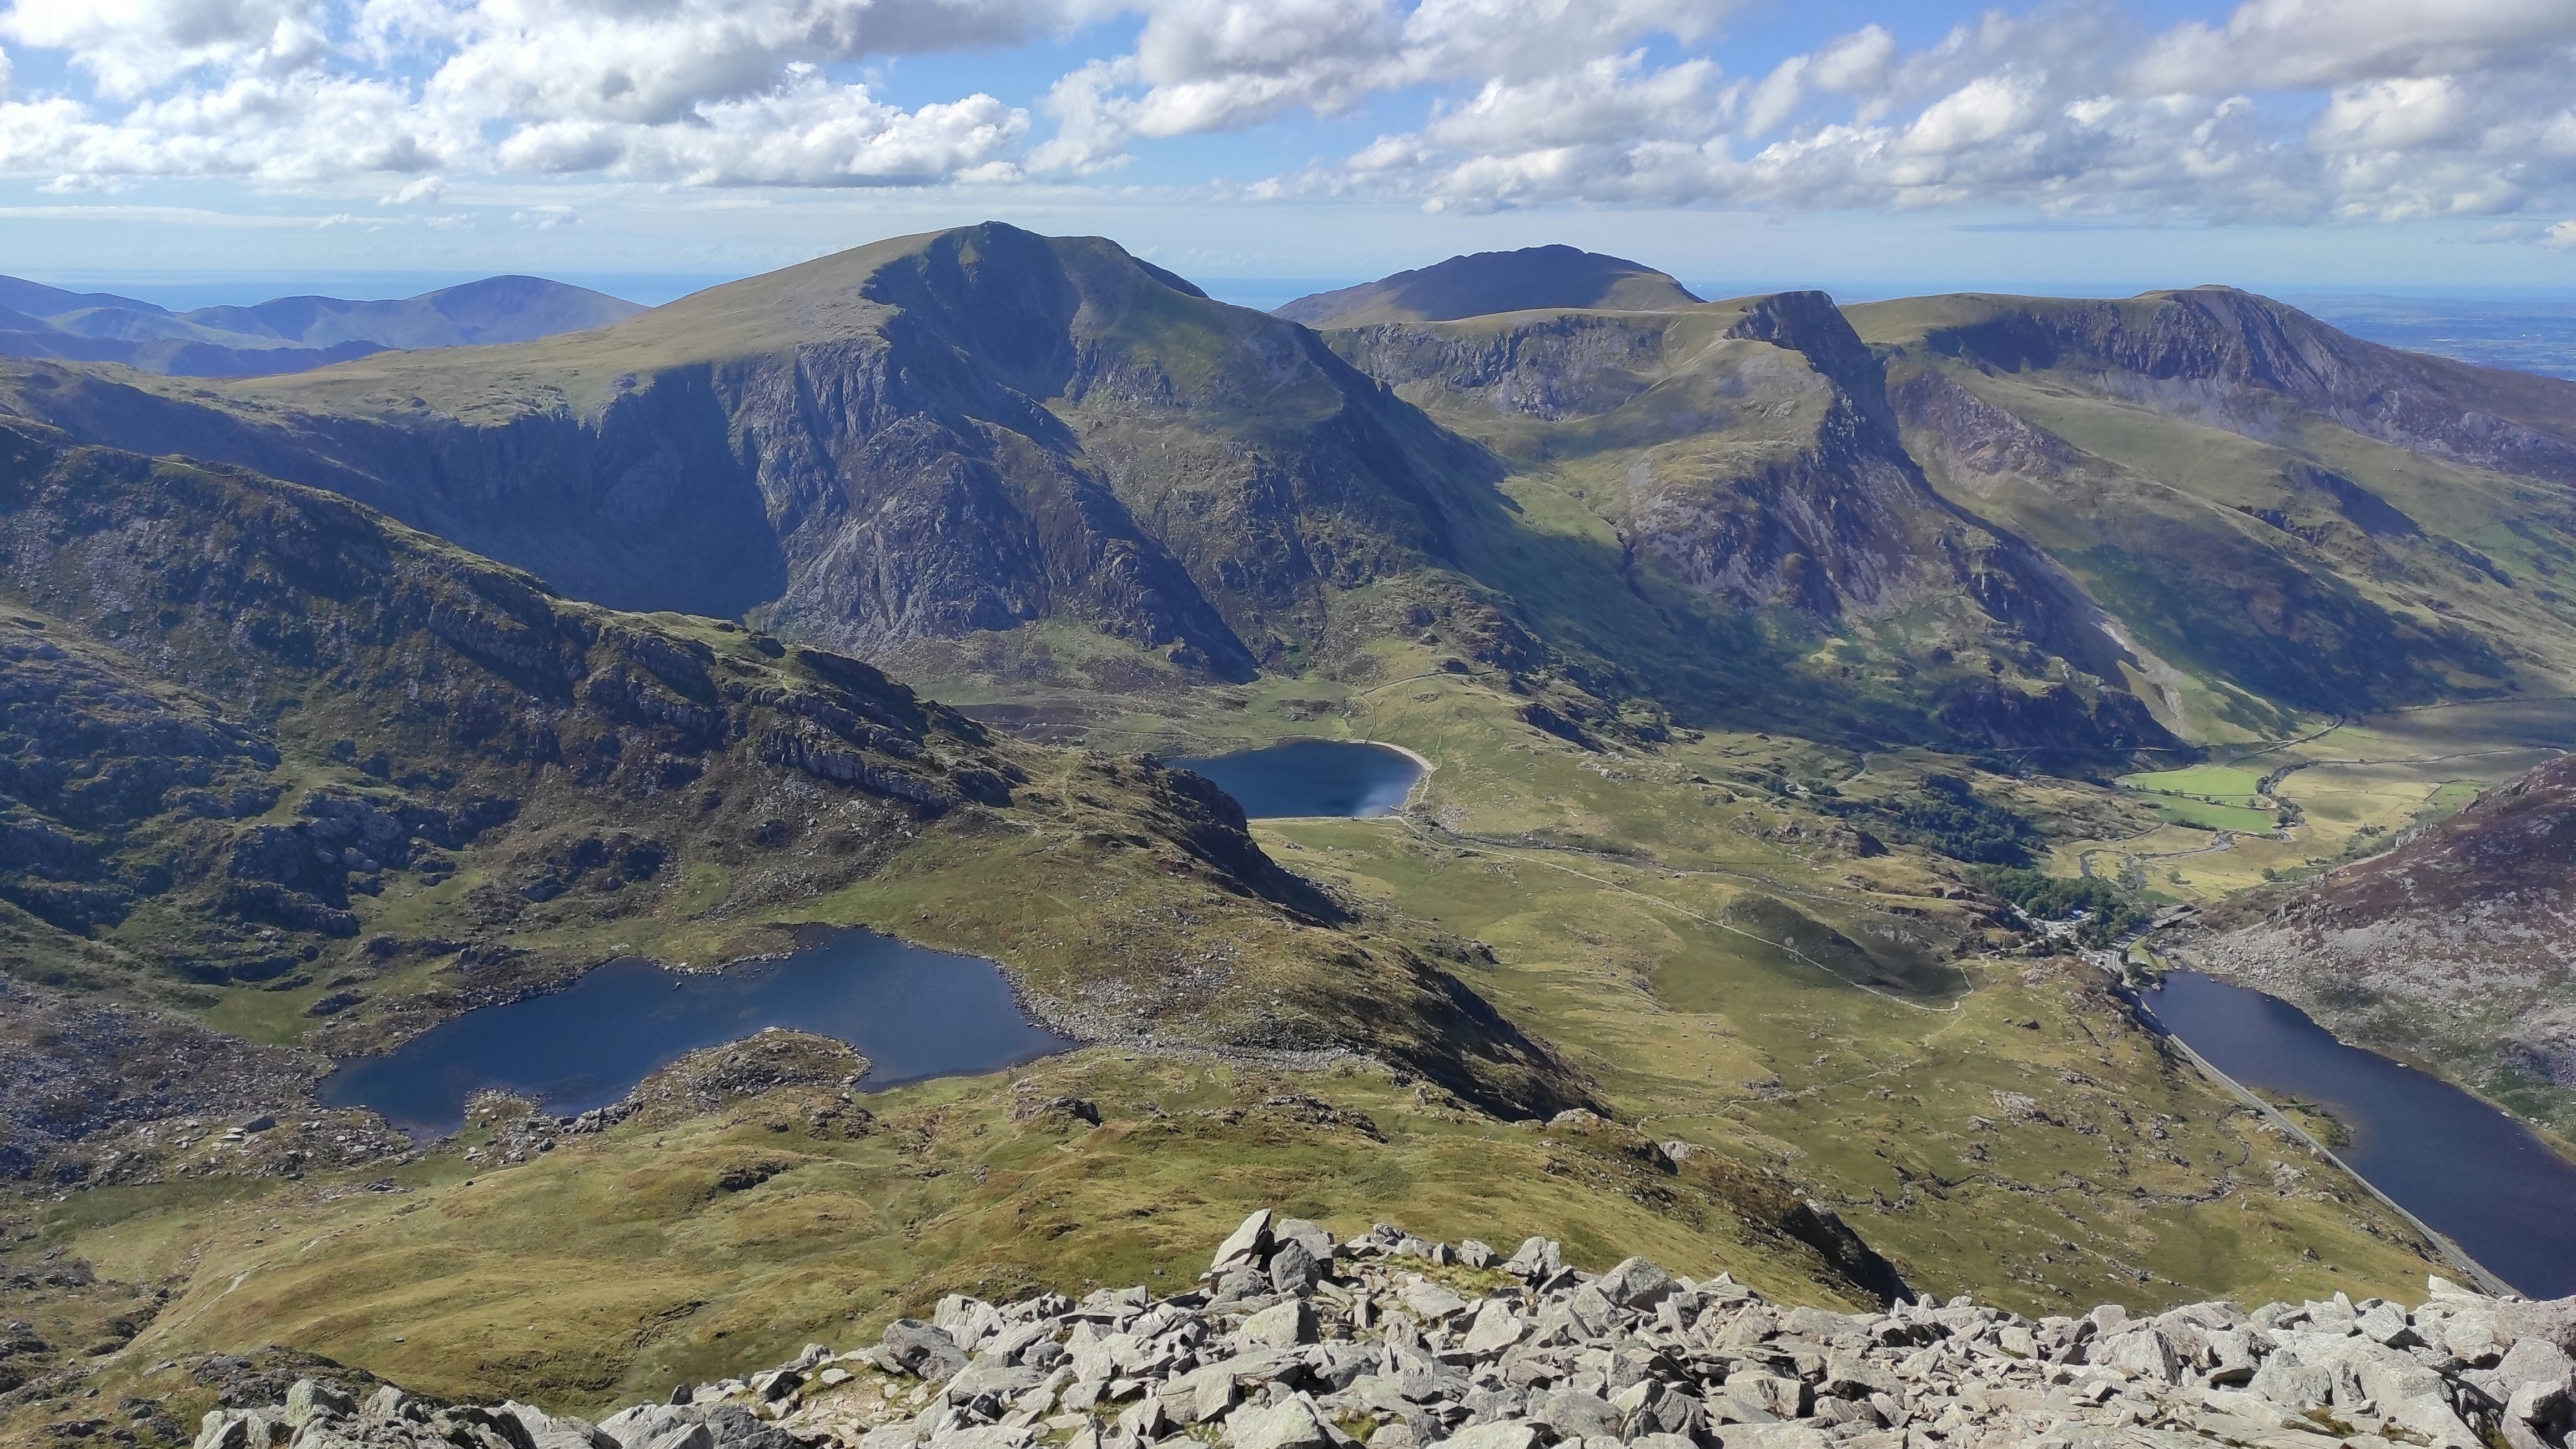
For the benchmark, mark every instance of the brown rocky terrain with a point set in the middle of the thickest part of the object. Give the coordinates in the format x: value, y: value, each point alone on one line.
x: 2458, y: 946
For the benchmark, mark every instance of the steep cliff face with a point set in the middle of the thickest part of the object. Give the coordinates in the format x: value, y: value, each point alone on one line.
x: 1980, y: 520
x: 2284, y: 517
x: 2249, y: 364
x: 921, y: 439
x: 1758, y: 469
x: 1749, y: 452
x: 426, y: 695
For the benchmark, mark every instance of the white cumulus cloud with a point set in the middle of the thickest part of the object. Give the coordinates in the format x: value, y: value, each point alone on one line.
x: 705, y: 92
x: 2283, y: 110
x: 2288, y: 110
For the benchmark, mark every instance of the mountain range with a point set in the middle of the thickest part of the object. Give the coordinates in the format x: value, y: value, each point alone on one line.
x: 1774, y: 660
x: 288, y: 334
x: 1982, y: 522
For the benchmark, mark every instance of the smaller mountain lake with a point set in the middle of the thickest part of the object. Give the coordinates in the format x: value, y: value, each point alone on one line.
x: 1312, y: 777
x: 2473, y: 1173
x: 912, y: 1012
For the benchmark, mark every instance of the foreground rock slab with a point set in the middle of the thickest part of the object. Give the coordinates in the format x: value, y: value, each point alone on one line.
x: 1295, y: 1341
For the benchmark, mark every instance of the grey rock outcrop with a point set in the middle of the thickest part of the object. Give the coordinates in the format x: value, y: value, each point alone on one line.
x: 1395, y: 1345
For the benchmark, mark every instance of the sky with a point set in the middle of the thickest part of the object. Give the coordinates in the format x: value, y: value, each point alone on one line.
x: 205, y: 150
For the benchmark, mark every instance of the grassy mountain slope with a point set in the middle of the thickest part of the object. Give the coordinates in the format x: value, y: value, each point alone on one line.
x: 2296, y: 522
x: 1735, y: 974
x: 2023, y: 515
x: 1744, y: 942
x: 494, y: 309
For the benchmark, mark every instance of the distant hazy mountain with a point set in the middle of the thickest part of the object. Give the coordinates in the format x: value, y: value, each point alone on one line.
x: 290, y: 334
x: 1531, y: 279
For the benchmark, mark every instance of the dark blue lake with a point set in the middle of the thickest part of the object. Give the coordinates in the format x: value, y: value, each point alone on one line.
x: 2477, y: 1175
x: 1312, y: 777
x: 913, y: 1012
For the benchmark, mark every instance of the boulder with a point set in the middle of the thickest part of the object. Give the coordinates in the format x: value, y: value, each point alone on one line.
x: 1292, y: 1423
x: 2430, y: 1416
x: 1311, y: 1236
x: 1592, y: 1310
x: 2385, y: 1324
x: 1576, y: 1415
x: 1508, y: 1434
x: 1649, y: 1407
x: 1429, y: 1301
x: 2286, y: 1380
x: 1294, y: 1268
x: 1247, y: 1247
x: 1849, y: 1376
x: 918, y: 1348
x: 1770, y: 1436
x: 2552, y: 1321
x: 312, y: 1399
x: 2535, y: 1360
x: 1779, y: 1397
x: 2141, y: 1353
x: 1537, y: 1258
x: 988, y: 1385
x: 967, y: 1321
x: 1496, y: 1327
x: 659, y: 1426
x: 230, y: 1430
x: 553, y: 1431
x: 1201, y: 1396
x: 1282, y: 1325
x: 1636, y: 1283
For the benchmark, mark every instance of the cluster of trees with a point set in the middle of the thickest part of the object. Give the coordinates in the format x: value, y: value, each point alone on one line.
x: 2107, y: 913
x: 1946, y: 815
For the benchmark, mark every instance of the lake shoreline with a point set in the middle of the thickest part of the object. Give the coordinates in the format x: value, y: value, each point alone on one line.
x: 2474, y: 1180
x: 914, y: 1012
x: 1307, y: 778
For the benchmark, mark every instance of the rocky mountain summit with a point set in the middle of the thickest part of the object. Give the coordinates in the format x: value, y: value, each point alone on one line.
x: 1293, y: 1340
x: 1548, y: 277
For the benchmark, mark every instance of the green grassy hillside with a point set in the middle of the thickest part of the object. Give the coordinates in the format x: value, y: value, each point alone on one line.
x: 316, y: 777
